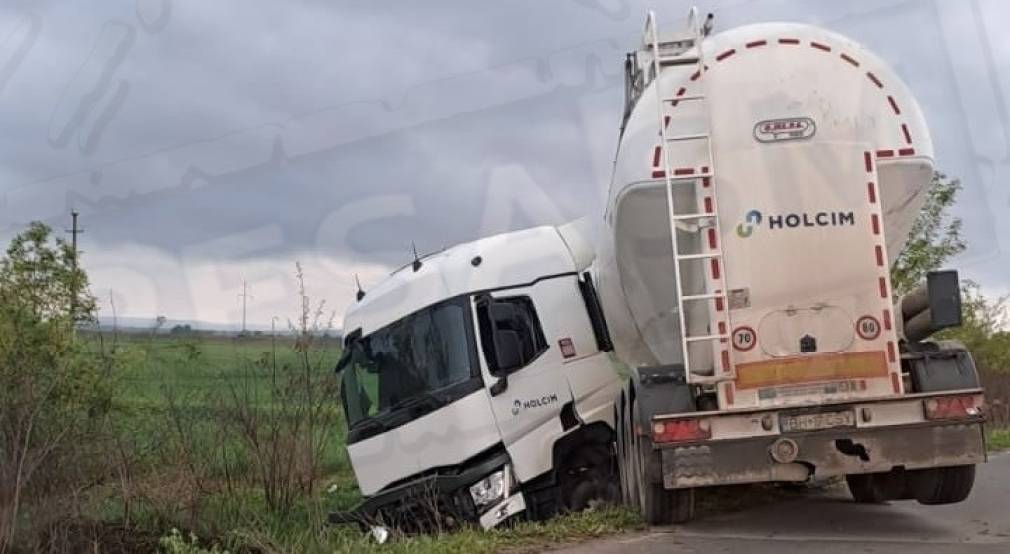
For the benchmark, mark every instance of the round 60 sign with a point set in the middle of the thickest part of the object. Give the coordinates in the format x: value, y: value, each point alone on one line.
x: 867, y: 327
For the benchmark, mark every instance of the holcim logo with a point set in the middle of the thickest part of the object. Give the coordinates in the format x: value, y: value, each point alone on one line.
x: 754, y: 218
x: 751, y: 220
x: 533, y: 403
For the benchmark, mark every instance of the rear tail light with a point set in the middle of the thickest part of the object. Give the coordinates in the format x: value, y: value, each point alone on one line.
x: 953, y: 407
x: 680, y: 430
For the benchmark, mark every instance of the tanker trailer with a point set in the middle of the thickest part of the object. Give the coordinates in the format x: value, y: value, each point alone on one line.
x: 765, y: 179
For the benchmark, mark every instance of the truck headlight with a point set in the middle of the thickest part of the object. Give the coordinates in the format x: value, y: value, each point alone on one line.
x: 490, y: 489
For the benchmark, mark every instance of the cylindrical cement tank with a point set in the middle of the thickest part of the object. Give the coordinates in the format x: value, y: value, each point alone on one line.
x: 815, y: 158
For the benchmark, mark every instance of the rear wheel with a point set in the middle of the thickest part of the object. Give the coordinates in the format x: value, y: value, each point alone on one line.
x: 658, y: 505
x: 867, y: 488
x: 943, y: 485
x: 625, y: 469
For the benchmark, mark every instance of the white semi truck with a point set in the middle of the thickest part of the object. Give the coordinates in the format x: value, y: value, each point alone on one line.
x: 729, y: 319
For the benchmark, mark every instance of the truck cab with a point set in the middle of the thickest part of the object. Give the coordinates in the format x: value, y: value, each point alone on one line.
x: 477, y: 385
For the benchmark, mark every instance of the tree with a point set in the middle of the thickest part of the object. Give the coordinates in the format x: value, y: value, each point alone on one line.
x: 934, y: 239
x: 52, y: 393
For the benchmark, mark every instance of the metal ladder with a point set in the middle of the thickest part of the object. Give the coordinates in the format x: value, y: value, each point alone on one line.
x: 715, y: 281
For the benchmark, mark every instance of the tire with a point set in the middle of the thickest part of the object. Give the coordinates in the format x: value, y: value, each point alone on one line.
x: 866, y: 488
x: 658, y: 505
x: 944, y: 485
x: 629, y: 492
x: 587, y: 480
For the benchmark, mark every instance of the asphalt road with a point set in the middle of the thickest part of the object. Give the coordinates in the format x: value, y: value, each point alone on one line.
x: 828, y: 522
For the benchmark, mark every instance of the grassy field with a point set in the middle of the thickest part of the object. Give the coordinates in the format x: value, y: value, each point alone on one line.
x: 191, y: 470
x: 999, y: 439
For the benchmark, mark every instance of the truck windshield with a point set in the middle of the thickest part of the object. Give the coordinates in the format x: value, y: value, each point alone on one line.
x: 410, y: 367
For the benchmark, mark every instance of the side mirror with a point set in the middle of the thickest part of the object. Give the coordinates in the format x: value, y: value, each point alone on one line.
x: 932, y: 307
x: 944, y: 299
x: 508, y: 350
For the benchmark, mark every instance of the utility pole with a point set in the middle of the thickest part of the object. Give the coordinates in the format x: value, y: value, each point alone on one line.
x: 74, y: 231
x: 244, y: 296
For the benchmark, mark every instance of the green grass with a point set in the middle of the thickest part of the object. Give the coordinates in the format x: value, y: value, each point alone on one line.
x: 197, y: 373
x: 998, y: 439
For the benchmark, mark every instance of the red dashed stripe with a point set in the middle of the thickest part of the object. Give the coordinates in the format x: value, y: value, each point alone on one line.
x: 684, y: 171
x: 715, y: 269
x: 890, y: 352
x: 681, y: 91
x: 820, y: 46
x: 728, y: 390
x: 756, y: 43
x: 708, y: 204
x: 883, y: 287
x: 718, y: 302
x: 849, y: 59
x: 904, y: 131
x: 894, y: 105
x: 725, y: 54
x: 722, y: 328
x: 895, y: 382
x: 788, y: 41
x: 880, y: 255
x: 875, y: 80
x: 695, y: 76
x: 658, y: 174
x: 666, y: 121
x: 868, y: 162
x: 711, y: 239
x: 726, y: 369
x: 656, y: 156
x: 906, y: 152
x: 705, y: 181
x: 887, y: 320
x: 885, y: 153
x: 871, y: 192
x: 875, y: 223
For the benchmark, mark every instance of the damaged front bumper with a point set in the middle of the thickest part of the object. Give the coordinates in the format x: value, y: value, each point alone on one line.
x: 443, y: 500
x: 753, y: 447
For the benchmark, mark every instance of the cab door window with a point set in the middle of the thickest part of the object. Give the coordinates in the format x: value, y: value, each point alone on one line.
x: 510, y: 331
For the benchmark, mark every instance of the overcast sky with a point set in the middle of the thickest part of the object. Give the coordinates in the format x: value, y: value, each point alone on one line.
x: 209, y: 142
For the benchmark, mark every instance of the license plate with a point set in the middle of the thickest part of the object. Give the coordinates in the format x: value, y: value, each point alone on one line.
x: 816, y: 422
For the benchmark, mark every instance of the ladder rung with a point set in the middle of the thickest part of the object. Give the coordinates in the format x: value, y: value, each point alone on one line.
x: 708, y: 296
x: 699, y: 256
x: 679, y: 217
x: 683, y: 98
x: 706, y: 337
x: 691, y: 177
x: 675, y: 60
x: 687, y: 137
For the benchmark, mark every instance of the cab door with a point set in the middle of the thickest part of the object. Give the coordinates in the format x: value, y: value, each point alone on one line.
x: 522, y: 362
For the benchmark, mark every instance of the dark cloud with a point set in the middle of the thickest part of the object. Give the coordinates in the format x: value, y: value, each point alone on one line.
x: 346, y: 130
